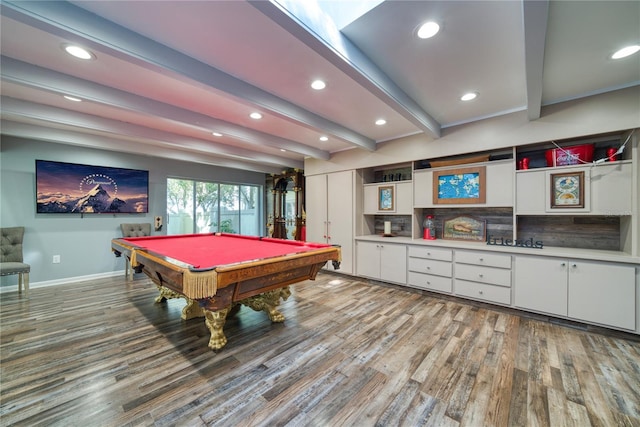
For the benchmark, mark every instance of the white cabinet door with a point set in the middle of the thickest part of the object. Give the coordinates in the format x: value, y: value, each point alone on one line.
x: 382, y: 261
x: 393, y: 263
x: 316, y: 208
x: 541, y: 284
x: 370, y: 203
x: 368, y: 259
x: 602, y: 293
x: 340, y: 211
x: 423, y: 188
x: 404, y: 198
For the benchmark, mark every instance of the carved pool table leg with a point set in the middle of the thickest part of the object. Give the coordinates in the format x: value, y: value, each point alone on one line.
x: 215, y: 322
x: 192, y: 310
x: 268, y: 302
x: 166, y: 293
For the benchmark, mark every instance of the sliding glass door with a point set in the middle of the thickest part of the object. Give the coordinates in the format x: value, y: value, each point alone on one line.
x: 209, y: 207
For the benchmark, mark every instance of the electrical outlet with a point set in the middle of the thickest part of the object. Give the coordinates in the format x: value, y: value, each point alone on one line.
x: 56, y: 259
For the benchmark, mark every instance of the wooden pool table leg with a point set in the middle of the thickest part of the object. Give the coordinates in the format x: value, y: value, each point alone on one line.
x: 190, y: 311
x: 215, y: 322
x: 268, y: 302
x: 166, y: 293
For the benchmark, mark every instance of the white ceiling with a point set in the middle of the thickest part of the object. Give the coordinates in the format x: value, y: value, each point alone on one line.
x: 168, y: 73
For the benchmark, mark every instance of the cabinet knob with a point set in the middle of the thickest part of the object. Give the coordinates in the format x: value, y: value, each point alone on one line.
x: 429, y: 253
x: 574, y: 265
x: 563, y: 264
x: 481, y: 259
x: 428, y: 282
x: 428, y: 268
x: 481, y: 275
x: 480, y: 292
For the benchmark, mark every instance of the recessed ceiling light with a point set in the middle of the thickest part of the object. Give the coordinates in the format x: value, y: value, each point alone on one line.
x: 78, y: 52
x: 324, y: 138
x: 428, y: 30
x: 216, y: 134
x: 625, y: 51
x: 283, y: 150
x: 256, y: 116
x: 469, y: 96
x: 318, y: 84
x: 72, y: 98
x: 381, y: 122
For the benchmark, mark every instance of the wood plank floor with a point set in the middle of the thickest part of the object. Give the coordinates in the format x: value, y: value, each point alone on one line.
x: 351, y: 353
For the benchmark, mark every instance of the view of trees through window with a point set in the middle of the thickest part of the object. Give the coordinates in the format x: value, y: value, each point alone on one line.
x: 209, y: 207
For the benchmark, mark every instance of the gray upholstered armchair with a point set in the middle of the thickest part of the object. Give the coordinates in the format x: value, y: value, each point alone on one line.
x: 134, y: 230
x: 11, y: 256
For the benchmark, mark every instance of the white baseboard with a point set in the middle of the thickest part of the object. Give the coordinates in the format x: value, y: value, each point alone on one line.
x: 65, y: 281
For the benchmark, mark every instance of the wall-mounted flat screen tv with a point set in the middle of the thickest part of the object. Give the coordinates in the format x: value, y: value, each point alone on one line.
x: 74, y: 188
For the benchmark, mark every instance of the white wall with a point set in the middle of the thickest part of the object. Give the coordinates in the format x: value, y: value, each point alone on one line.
x: 83, y: 242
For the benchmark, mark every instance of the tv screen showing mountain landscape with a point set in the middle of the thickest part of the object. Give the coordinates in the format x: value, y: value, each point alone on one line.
x: 73, y: 188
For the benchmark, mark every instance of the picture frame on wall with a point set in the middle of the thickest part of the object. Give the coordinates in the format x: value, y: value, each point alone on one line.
x: 386, y: 198
x: 567, y: 190
x: 460, y: 186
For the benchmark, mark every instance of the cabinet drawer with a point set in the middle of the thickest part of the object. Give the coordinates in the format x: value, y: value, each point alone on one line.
x: 430, y: 282
x: 483, y: 258
x: 497, y: 294
x: 429, y: 266
x: 494, y: 276
x: 428, y: 252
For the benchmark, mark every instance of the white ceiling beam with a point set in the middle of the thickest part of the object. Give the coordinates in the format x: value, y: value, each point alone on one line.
x: 17, y: 110
x: 332, y: 45
x: 535, y: 14
x: 67, y: 20
x: 48, y: 134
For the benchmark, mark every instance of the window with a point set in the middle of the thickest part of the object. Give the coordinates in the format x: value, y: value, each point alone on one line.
x: 209, y: 207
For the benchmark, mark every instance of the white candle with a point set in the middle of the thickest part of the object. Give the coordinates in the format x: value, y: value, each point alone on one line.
x: 387, y: 227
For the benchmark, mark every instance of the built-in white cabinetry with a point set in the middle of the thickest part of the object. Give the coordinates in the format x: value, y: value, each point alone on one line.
x: 402, y: 198
x: 608, y: 189
x: 498, y: 181
x: 591, y: 291
x: 484, y: 276
x: 430, y: 268
x: 330, y: 213
x: 382, y: 261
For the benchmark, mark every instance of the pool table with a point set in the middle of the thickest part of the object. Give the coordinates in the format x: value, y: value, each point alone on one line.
x: 216, y: 272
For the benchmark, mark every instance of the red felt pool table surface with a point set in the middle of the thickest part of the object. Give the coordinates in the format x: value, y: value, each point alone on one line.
x: 205, y: 251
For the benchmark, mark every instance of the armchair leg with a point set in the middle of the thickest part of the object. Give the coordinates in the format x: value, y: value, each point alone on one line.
x: 23, y: 281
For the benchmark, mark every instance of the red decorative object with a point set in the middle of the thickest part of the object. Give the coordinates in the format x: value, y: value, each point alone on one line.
x: 611, y: 154
x: 570, y: 155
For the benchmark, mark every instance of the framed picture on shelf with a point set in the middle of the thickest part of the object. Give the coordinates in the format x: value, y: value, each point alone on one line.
x: 460, y: 186
x: 567, y: 190
x: 464, y: 228
x: 386, y: 198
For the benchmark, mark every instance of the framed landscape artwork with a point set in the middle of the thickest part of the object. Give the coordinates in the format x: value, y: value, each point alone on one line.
x: 460, y: 186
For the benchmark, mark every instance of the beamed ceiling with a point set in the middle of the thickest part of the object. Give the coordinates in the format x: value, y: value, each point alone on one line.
x: 167, y: 74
